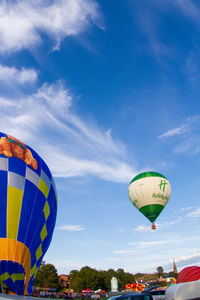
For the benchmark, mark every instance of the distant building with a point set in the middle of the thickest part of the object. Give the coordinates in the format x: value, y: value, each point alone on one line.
x: 114, y: 285
x: 63, y: 281
x: 175, y: 268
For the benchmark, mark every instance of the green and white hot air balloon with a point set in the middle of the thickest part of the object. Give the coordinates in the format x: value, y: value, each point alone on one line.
x: 149, y: 192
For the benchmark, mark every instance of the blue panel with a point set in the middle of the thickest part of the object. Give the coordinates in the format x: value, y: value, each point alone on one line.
x: 51, y: 198
x: 30, y: 192
x: 51, y: 219
x: 35, y: 218
x: 3, y: 264
x: 17, y: 165
x: 33, y: 260
x: 36, y: 238
x: 3, y: 202
x: 29, y: 290
x: 2, y: 134
x: 10, y: 267
x: 47, y: 241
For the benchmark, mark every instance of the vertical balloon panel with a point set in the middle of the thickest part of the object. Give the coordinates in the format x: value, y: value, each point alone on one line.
x: 28, y: 208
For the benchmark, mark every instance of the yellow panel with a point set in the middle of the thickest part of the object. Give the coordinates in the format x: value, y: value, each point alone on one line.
x: 14, y: 203
x: 43, y: 233
x: 39, y: 252
x: 17, y: 276
x: 46, y: 210
x: 33, y: 269
x: 4, y: 276
x: 35, y: 273
x: 43, y: 188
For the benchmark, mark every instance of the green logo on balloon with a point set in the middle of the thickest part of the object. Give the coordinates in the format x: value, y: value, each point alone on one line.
x: 162, y: 185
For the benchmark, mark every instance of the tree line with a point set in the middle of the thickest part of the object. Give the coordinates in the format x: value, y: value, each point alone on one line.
x: 87, y: 277
x: 94, y: 279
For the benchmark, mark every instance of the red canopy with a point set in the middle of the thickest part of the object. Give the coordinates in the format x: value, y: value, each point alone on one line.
x: 87, y: 291
x: 189, y: 274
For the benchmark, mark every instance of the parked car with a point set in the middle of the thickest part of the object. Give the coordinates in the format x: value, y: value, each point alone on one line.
x: 135, y: 296
x: 158, y: 294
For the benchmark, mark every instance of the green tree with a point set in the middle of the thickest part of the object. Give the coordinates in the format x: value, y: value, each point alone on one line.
x: 85, y: 278
x: 124, y: 278
x: 94, y: 280
x: 74, y: 280
x: 46, y: 276
x: 160, y: 271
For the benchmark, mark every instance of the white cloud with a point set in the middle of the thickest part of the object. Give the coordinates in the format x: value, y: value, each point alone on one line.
x: 21, y: 22
x: 143, y: 228
x: 65, y: 266
x: 176, y: 131
x: 194, y: 214
x: 189, y: 9
x: 143, y: 244
x: 186, y: 208
x: 187, y: 260
x: 71, y: 227
x: 71, y: 146
x: 125, y: 252
x: 9, y: 75
x: 163, y: 225
x: 188, y: 140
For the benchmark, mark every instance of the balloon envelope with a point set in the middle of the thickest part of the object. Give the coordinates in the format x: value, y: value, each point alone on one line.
x: 28, y: 209
x: 189, y: 274
x: 149, y: 192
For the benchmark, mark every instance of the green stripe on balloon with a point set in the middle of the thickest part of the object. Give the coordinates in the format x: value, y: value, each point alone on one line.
x: 151, y: 211
x: 147, y: 174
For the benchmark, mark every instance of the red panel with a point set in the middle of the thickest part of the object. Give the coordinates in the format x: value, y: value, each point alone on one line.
x: 189, y: 274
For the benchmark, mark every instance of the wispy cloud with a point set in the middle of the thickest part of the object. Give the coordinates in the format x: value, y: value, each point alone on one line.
x: 186, y: 208
x: 175, y: 131
x: 152, y: 243
x: 194, y: 214
x: 143, y: 228
x: 22, y: 22
x: 71, y: 145
x: 187, y: 260
x: 149, y: 244
x: 71, y: 227
x: 149, y: 22
x: 189, y: 9
x: 10, y: 75
x: 142, y: 246
x: 188, y: 140
x: 191, y: 68
x: 163, y: 225
x: 125, y: 252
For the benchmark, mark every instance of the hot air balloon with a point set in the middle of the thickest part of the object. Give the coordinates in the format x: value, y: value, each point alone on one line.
x: 189, y: 274
x: 28, y: 208
x: 149, y: 192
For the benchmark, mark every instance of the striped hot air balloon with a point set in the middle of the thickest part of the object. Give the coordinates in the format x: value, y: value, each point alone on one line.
x: 28, y: 208
x: 149, y: 192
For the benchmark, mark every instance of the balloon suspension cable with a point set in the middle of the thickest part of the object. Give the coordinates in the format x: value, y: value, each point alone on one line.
x: 153, y: 226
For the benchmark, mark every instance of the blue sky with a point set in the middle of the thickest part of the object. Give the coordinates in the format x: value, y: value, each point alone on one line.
x: 104, y: 90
